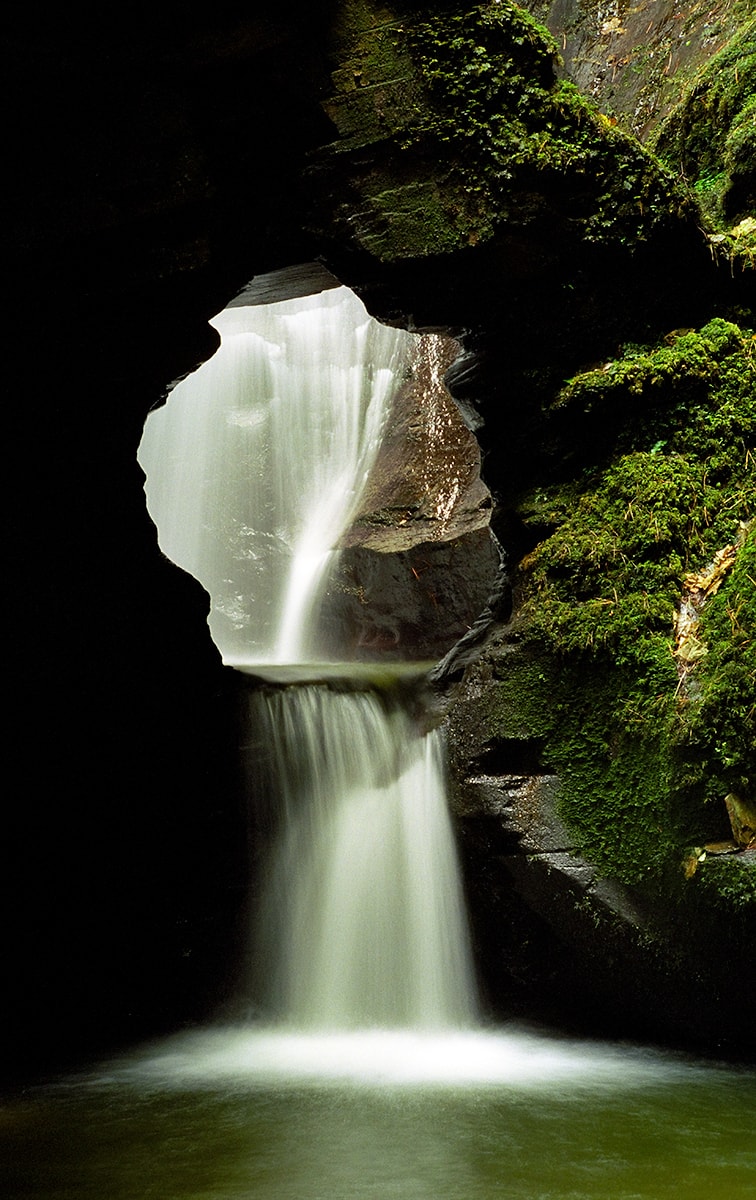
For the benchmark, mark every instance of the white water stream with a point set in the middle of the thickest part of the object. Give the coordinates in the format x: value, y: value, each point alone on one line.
x: 256, y: 463
x: 363, y: 923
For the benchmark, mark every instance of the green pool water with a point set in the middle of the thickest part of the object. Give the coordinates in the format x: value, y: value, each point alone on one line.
x: 513, y: 1114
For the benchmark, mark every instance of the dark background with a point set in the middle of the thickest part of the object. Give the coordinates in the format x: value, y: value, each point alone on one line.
x: 151, y: 170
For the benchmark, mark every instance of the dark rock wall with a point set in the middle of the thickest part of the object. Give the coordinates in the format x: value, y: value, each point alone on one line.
x: 635, y: 58
x: 557, y: 938
x: 151, y: 171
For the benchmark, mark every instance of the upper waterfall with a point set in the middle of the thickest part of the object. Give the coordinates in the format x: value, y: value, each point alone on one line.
x: 317, y: 478
x: 257, y: 462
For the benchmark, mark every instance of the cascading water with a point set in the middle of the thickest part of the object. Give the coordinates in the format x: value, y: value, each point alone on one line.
x: 363, y: 923
x: 254, y: 470
x: 256, y: 462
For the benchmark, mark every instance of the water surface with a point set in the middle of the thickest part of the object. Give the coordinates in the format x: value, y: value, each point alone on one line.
x: 232, y: 1114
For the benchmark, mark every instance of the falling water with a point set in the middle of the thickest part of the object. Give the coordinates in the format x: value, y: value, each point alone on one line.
x: 257, y: 461
x: 363, y: 924
x: 255, y: 467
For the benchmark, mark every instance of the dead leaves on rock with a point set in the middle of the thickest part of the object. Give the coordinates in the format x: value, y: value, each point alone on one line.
x: 698, y: 587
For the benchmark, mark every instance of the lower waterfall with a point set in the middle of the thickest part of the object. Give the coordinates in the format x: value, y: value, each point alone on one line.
x: 362, y: 922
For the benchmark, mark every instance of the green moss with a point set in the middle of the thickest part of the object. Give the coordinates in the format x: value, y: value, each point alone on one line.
x: 497, y: 113
x: 519, y: 712
x: 729, y: 885
x: 648, y: 747
x: 468, y: 104
x: 376, y: 92
x: 622, y: 782
x: 710, y: 138
x: 413, y: 218
x: 697, y: 131
x: 740, y: 147
x: 691, y: 396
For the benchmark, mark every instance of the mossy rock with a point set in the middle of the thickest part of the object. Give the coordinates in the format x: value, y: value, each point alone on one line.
x: 635, y: 58
x: 648, y: 744
x: 710, y: 137
x: 468, y: 100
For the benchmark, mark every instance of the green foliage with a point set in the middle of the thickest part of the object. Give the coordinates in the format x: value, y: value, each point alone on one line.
x: 613, y: 766
x: 728, y: 885
x: 710, y: 137
x: 629, y: 533
x: 510, y: 131
x: 691, y: 397
x: 648, y: 748
x: 740, y: 147
x: 696, y: 132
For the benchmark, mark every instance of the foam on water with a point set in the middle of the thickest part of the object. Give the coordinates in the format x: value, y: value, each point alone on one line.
x: 508, y: 1060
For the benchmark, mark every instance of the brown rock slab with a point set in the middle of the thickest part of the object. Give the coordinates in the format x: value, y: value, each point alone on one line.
x: 425, y: 486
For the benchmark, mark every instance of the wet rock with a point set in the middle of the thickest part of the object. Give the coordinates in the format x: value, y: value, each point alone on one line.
x: 426, y: 485
x: 418, y: 564
x: 742, y: 814
x: 416, y: 603
x: 526, y: 805
x: 634, y: 57
x: 717, y: 848
x: 553, y: 885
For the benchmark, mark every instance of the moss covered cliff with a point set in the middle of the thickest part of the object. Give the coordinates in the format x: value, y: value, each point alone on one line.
x: 470, y: 132
x: 634, y: 58
x: 655, y: 716
x: 627, y: 675
x: 710, y: 138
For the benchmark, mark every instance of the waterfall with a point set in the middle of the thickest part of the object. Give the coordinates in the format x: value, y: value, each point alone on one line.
x: 257, y: 461
x: 255, y: 467
x: 363, y: 922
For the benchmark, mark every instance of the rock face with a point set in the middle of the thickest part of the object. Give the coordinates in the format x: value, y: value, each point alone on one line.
x: 743, y: 821
x: 680, y: 77
x: 647, y: 738
x: 634, y: 57
x: 465, y: 184
x: 556, y: 937
x: 419, y: 563
x: 434, y: 159
x: 426, y: 484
